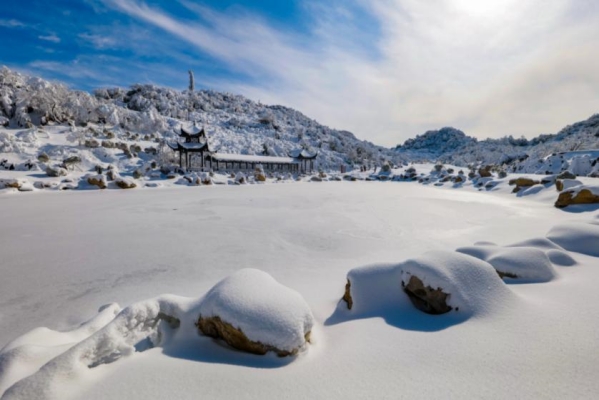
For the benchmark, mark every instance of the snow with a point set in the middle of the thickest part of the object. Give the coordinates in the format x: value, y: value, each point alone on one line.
x: 66, y: 253
x: 263, y: 309
x: 578, y: 237
x: 527, y: 263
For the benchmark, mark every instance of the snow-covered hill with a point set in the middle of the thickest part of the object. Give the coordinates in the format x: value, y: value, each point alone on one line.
x: 235, y: 124
x: 537, y: 155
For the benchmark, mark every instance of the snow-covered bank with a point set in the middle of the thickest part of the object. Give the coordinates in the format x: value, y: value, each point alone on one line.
x: 66, y: 254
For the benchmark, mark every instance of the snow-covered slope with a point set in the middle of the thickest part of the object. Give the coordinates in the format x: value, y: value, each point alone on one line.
x: 571, y: 144
x: 235, y: 124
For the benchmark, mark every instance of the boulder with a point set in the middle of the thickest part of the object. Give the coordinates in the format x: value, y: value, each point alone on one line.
x: 523, y: 182
x: 485, y: 172
x: 43, y: 157
x: 56, y: 171
x: 97, y: 180
x: 108, y: 144
x: 566, y: 175
x: 252, y: 312
x: 125, y: 183
x: 92, y: 143
x: 570, y: 197
x: 347, y: 295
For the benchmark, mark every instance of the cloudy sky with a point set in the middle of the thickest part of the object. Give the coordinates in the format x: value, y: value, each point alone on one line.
x: 383, y: 69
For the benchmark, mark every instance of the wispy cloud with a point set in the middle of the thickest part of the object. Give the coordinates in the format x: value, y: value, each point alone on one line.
x: 11, y: 23
x: 98, y: 41
x: 50, y: 38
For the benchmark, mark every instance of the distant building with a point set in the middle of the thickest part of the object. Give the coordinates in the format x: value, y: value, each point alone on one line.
x: 194, y: 141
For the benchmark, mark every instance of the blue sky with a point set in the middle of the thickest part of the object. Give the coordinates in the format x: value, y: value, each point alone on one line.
x: 383, y: 69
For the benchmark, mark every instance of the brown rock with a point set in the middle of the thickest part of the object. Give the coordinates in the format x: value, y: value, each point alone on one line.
x: 217, y: 328
x: 485, y: 172
x: 347, y: 295
x: 426, y: 299
x: 97, y: 181
x: 124, y: 184
x: 523, y: 182
x: 567, y: 198
x: 559, y: 185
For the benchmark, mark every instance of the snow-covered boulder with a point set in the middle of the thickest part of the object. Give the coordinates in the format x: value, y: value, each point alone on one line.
x: 56, y: 171
x: 125, y: 183
x: 441, y: 281
x: 556, y: 254
x: 372, y: 287
x: 240, y: 178
x: 581, y: 194
x: 526, y: 263
x: 566, y: 184
x: 97, y: 180
x: 578, y: 237
x: 252, y: 312
x: 205, y: 178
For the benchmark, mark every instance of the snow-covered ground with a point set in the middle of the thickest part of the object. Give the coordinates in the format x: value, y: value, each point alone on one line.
x: 65, y: 255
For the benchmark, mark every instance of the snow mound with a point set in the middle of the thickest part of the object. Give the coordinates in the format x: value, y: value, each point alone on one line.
x: 253, y: 302
x: 472, y: 285
x: 578, y: 237
x: 373, y: 287
x: 136, y: 327
x: 527, y: 263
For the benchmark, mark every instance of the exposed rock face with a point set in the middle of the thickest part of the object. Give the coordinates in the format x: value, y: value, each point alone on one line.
x: 584, y: 196
x: 347, y: 295
x: 125, y: 183
x: 234, y: 337
x: 426, y: 299
x: 523, y: 182
x: 98, y: 180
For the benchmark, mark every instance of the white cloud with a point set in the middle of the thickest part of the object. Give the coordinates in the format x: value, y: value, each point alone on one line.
x: 11, y: 23
x: 50, y: 38
x: 98, y: 41
x: 491, y: 68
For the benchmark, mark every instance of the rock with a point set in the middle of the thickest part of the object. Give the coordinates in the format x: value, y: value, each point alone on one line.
x: 570, y: 197
x: 56, y: 171
x: 137, y: 174
x: 260, y: 177
x: 252, y: 312
x: 97, y: 180
x: 108, y: 144
x: 502, y: 174
x: 12, y: 183
x: 347, y: 295
x: 485, y: 172
x: 316, y: 178
x: 426, y: 298
x: 125, y: 183
x: 566, y: 175
x: 206, y: 179
x: 523, y: 182
x: 43, y: 157
x: 240, y: 178
x: 151, y: 150
x: 26, y: 187
x: 92, y: 143
x: 71, y: 161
